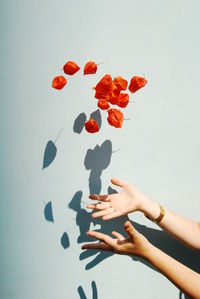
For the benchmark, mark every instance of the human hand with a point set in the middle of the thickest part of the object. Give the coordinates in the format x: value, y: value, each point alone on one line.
x: 134, y: 244
x: 130, y: 199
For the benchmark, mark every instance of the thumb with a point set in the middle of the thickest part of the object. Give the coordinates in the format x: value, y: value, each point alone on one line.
x: 130, y: 229
x: 119, y: 183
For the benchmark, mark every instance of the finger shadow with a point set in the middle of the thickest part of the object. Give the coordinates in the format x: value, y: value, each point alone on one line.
x: 83, y: 218
x: 94, y: 291
x: 158, y: 238
x: 81, y: 293
x: 96, y: 160
x: 106, y: 227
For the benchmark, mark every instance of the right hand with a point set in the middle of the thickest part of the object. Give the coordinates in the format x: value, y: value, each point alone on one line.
x: 130, y: 199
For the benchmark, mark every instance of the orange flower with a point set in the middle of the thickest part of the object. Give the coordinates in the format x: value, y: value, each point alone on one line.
x: 104, y: 87
x: 91, y: 126
x: 122, y: 100
x: 70, y: 68
x: 115, y: 118
x: 103, y: 104
x: 114, y: 94
x: 113, y: 98
x: 137, y: 83
x: 59, y: 82
x: 120, y: 83
x: 90, y: 68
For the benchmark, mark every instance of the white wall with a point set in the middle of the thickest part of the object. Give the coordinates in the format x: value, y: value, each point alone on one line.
x: 158, y: 148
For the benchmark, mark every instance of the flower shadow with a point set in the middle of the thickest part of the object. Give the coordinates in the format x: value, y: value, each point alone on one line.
x: 96, y: 160
x: 49, y: 154
x: 79, y: 123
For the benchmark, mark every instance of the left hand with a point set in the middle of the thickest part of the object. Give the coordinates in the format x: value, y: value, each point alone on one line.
x: 135, y: 244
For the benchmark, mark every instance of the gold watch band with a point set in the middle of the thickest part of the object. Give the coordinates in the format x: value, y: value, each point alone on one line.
x: 160, y: 217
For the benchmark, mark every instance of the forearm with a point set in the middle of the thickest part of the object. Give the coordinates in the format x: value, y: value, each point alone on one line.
x: 185, y: 230
x: 184, y: 278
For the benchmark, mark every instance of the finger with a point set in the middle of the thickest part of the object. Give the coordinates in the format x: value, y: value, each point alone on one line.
x: 99, y: 246
x: 118, y: 236
x: 117, y: 182
x: 102, y: 213
x: 112, y: 215
x: 130, y: 229
x: 98, y: 206
x: 99, y: 197
x: 102, y: 237
x: 90, y: 206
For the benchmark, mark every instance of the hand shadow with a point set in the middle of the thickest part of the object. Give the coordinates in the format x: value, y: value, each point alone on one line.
x: 158, y: 238
x: 96, y: 160
x: 84, y: 220
x: 106, y: 227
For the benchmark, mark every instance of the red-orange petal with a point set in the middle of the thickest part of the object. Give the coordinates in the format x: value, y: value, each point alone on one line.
x: 70, y: 68
x: 104, y: 87
x: 91, y: 126
x: 121, y: 83
x: 136, y: 83
x: 103, y: 104
x: 90, y: 68
x: 113, y: 99
x: 115, y: 118
x: 114, y: 94
x: 123, y: 100
x: 59, y: 82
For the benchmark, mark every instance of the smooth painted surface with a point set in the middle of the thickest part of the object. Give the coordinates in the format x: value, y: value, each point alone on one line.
x: 43, y: 217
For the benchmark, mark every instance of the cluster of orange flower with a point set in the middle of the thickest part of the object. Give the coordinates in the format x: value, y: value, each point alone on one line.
x: 107, y: 91
x: 70, y: 68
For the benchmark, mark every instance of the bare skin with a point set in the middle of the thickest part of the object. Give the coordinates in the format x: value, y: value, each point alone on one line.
x: 130, y: 199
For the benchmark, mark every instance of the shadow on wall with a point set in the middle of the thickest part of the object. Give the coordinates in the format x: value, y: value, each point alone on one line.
x: 48, y: 212
x: 94, y: 291
x: 185, y: 296
x: 158, y: 238
x: 81, y: 119
x: 84, y: 220
x: 79, y: 123
x: 65, y: 240
x: 96, y: 160
x: 50, y: 152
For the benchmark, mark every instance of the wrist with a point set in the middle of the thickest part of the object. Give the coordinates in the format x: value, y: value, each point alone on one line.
x: 150, y: 208
x: 149, y: 253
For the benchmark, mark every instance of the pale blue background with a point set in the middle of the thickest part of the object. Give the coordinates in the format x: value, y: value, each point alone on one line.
x: 159, y: 145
